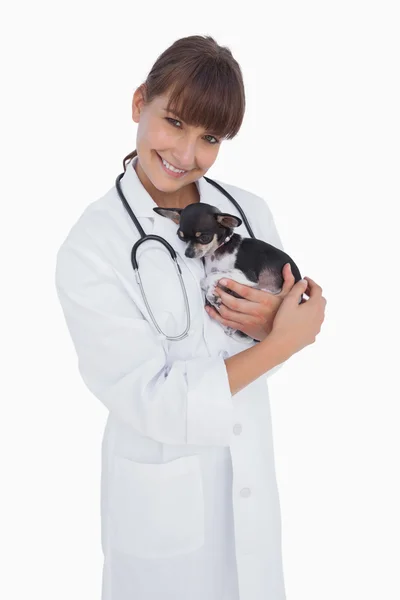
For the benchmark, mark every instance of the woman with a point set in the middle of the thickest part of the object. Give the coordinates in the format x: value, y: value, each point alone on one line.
x: 189, y: 503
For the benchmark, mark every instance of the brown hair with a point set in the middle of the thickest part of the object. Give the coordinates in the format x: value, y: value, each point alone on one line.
x: 205, y: 84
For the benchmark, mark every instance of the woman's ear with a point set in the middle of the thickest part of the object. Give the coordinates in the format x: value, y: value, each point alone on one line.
x: 138, y: 101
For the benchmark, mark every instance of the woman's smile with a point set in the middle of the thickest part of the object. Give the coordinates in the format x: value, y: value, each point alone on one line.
x: 171, y: 173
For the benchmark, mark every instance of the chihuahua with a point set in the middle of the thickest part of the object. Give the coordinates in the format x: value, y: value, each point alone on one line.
x: 209, y: 235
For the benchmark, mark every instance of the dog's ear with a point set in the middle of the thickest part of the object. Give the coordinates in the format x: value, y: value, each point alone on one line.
x: 171, y: 213
x: 227, y: 220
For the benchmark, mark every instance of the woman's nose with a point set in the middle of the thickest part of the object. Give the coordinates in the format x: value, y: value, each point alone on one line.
x: 185, y: 155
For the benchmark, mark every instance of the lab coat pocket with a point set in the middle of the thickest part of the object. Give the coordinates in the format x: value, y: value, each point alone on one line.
x: 157, y: 510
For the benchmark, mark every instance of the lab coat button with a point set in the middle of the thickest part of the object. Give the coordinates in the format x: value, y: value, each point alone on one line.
x: 224, y: 354
x: 245, y: 492
x: 237, y: 430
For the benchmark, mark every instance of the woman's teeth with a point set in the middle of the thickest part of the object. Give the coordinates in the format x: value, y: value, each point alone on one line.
x: 171, y: 168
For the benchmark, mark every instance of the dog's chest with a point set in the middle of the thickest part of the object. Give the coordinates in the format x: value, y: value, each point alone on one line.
x: 214, y: 264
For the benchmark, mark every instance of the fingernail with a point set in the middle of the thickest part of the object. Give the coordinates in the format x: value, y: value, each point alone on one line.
x: 290, y: 268
x: 223, y: 281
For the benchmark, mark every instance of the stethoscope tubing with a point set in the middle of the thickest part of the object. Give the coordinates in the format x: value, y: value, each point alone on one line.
x: 143, y: 238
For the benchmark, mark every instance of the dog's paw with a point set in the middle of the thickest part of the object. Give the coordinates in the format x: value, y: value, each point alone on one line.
x: 229, y: 331
x: 237, y: 335
x: 212, y: 297
x: 214, y: 300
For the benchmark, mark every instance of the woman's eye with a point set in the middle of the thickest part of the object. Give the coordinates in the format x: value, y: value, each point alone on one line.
x: 173, y: 121
x: 211, y: 136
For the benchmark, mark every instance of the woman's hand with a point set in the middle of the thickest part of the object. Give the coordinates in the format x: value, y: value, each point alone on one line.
x: 255, y: 314
x: 297, y: 326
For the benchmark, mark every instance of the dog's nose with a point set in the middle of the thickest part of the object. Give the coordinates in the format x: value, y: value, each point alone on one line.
x: 189, y: 252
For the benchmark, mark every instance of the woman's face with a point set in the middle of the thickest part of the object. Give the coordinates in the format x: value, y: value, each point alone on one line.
x: 162, y: 134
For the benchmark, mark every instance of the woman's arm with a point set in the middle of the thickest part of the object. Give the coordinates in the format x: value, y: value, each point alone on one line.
x: 246, y: 366
x: 125, y: 365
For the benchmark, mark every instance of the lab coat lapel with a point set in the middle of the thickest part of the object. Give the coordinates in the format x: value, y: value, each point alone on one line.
x: 142, y: 204
x: 216, y: 339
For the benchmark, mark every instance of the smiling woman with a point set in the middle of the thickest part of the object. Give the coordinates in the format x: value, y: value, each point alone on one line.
x: 189, y: 510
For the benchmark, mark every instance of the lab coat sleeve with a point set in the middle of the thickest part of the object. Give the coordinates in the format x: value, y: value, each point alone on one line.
x: 125, y: 365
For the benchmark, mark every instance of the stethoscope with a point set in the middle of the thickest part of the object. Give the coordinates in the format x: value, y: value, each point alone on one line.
x: 144, y: 237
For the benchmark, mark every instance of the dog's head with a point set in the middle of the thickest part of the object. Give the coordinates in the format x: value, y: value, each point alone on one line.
x: 201, y: 226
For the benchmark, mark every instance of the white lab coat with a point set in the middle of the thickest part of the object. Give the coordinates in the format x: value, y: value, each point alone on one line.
x: 189, y: 500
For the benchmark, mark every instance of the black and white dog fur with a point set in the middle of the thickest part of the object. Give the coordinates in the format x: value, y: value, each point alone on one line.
x: 209, y: 234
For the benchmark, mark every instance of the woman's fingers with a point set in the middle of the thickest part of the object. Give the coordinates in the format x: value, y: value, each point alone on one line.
x: 288, y: 280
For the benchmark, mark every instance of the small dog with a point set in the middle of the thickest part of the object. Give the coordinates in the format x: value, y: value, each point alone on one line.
x: 209, y: 234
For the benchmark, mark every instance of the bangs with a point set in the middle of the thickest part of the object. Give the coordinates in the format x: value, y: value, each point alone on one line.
x: 208, y: 97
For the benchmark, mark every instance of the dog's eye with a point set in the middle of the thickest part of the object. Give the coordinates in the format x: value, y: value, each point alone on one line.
x: 205, y: 238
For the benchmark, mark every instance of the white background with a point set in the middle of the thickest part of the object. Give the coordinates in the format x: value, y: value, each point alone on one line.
x: 320, y: 142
